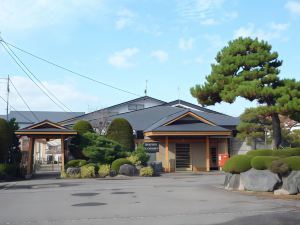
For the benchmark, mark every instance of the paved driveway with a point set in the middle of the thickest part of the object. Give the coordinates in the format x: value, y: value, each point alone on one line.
x: 171, y: 199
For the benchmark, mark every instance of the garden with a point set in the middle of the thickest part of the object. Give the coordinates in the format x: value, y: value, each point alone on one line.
x: 109, y: 155
x: 265, y: 170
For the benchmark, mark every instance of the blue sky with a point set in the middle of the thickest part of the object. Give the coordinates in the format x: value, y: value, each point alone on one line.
x: 170, y: 43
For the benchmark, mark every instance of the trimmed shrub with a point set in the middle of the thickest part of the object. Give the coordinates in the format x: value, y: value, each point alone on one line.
x: 118, y: 163
x: 8, y: 171
x: 262, y: 162
x: 141, y: 154
x: 76, y: 163
x: 104, y: 170
x: 293, y: 162
x: 260, y: 152
x: 83, y: 126
x: 280, y: 167
x: 134, y: 159
x: 121, y: 131
x: 146, y: 172
x: 238, y: 164
x: 87, y: 171
x: 287, y: 152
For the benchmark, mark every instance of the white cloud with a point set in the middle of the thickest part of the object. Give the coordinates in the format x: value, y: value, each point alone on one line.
x: 273, y: 31
x: 205, y: 12
x: 125, y: 19
x: 29, y: 14
x: 160, y: 55
x: 293, y: 7
x: 66, y: 92
x: 186, y: 44
x: 121, y: 59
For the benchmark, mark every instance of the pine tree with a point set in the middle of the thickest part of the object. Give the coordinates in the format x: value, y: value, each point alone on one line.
x: 249, y: 68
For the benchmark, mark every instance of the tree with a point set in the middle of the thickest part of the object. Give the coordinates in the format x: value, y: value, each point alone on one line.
x: 100, y: 149
x: 248, y: 68
x: 83, y: 126
x: 121, y: 131
x: 4, y: 140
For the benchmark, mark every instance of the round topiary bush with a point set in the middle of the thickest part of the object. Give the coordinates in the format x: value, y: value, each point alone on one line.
x: 238, y: 164
x: 75, y: 163
x: 262, y: 162
x: 260, y: 152
x: 280, y: 167
x: 293, y: 162
x: 118, y: 163
x: 83, y: 126
x: 121, y: 131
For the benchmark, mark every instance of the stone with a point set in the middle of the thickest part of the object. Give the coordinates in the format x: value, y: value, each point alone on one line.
x: 233, y: 182
x: 291, y: 183
x: 157, y: 167
x: 260, y: 180
x: 112, y: 173
x: 73, y: 171
x: 281, y: 192
x: 128, y: 170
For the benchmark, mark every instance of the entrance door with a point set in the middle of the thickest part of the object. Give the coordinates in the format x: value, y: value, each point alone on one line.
x: 213, y: 158
x: 183, y: 157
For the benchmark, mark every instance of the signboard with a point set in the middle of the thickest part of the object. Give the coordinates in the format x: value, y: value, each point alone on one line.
x: 151, y: 147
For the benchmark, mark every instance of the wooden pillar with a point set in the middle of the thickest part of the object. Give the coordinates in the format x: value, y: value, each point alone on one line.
x: 226, y: 146
x: 207, y: 154
x: 62, y: 149
x: 167, y: 169
x: 30, y: 158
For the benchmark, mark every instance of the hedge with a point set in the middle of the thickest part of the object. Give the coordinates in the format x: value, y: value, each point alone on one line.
x: 260, y: 152
x: 118, y: 163
x: 288, y: 152
x: 262, y: 162
x: 238, y: 164
x: 293, y: 162
x: 76, y: 163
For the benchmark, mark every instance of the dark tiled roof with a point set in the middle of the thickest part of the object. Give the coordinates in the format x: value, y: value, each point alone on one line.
x: 190, y: 127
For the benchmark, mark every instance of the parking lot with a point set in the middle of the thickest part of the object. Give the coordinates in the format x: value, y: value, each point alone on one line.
x: 170, y: 199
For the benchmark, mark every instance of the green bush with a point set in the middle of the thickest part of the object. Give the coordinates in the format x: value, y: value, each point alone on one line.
x: 262, y: 162
x: 104, y: 170
x: 260, y: 152
x: 287, y: 152
x: 76, y: 163
x: 118, y: 163
x: 146, y: 171
x: 8, y: 171
x: 280, y: 167
x: 83, y: 126
x: 293, y: 162
x: 140, y: 152
x: 134, y: 159
x: 87, y: 171
x: 238, y: 164
x: 121, y: 131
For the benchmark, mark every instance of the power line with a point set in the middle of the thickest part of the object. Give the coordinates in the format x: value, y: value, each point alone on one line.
x: 54, y: 96
x: 35, y: 116
x: 17, y: 110
x: 31, y: 78
x: 69, y: 70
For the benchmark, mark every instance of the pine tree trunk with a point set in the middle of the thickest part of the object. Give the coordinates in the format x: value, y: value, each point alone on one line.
x: 276, y: 131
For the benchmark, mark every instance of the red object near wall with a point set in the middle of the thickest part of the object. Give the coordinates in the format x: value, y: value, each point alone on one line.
x: 222, y: 159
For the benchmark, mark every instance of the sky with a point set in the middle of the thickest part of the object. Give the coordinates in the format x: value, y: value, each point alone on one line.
x: 169, y: 43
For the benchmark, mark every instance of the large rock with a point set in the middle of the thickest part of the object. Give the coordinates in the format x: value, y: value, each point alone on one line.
x: 260, y: 180
x: 128, y: 170
x: 73, y: 171
x: 157, y: 167
x: 233, y: 182
x: 291, y: 183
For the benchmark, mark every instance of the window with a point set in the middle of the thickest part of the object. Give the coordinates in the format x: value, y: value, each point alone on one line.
x: 133, y: 107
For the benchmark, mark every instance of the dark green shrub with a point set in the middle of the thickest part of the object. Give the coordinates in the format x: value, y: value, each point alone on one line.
x: 121, y: 131
x: 287, y: 152
x: 260, y: 152
x: 8, y: 171
x: 76, y: 163
x: 141, y: 154
x: 280, y: 167
x: 293, y: 162
x: 118, y: 163
x: 262, y: 162
x: 83, y: 126
x: 238, y: 164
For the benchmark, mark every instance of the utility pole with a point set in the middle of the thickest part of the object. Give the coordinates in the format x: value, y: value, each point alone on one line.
x: 146, y: 89
x: 7, y: 100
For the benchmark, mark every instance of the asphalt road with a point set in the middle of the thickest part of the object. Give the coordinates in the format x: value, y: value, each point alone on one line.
x: 170, y: 199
